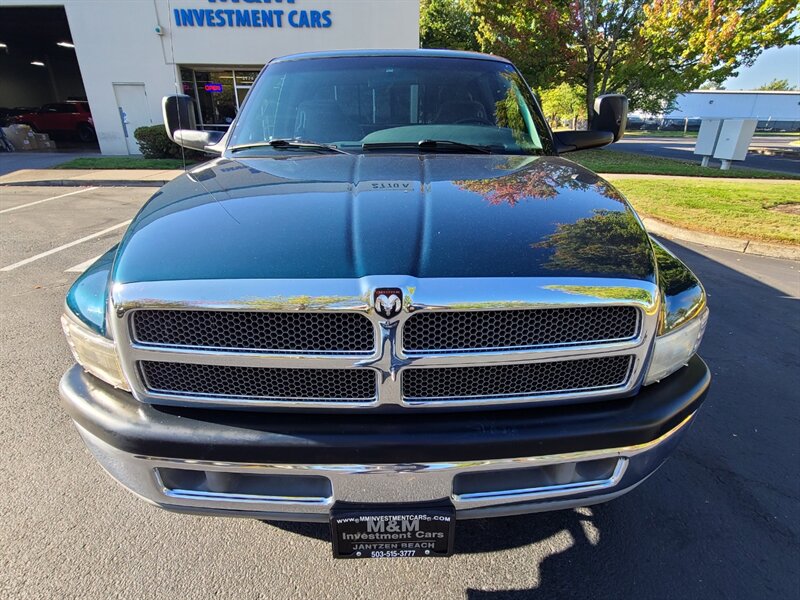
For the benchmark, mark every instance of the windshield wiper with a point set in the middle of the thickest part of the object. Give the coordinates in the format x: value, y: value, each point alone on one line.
x: 286, y: 143
x: 427, y: 145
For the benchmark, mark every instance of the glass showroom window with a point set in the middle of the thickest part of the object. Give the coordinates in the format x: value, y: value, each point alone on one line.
x: 218, y: 93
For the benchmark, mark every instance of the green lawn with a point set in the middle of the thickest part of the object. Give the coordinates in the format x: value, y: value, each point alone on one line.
x: 123, y: 162
x: 733, y: 208
x: 610, y: 161
x: 601, y: 161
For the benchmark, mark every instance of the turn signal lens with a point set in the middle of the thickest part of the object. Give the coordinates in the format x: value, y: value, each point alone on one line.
x: 673, y: 350
x: 94, y: 352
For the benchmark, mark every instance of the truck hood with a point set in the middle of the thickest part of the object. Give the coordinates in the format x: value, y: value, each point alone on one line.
x: 349, y: 216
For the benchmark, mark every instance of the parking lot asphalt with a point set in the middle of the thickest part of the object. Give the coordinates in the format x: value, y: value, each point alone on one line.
x: 684, y: 149
x: 720, y: 520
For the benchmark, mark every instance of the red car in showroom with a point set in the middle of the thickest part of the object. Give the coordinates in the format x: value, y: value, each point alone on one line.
x: 62, y: 118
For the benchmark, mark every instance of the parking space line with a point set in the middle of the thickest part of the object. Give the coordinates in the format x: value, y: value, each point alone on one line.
x: 80, y: 268
x: 80, y: 191
x: 65, y: 246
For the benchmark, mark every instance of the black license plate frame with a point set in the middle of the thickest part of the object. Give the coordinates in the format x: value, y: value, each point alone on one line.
x: 393, y: 530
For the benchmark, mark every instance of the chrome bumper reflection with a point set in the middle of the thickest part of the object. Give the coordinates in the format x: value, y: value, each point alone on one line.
x: 307, y: 492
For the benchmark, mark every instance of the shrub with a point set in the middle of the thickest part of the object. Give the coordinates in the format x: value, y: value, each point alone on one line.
x: 154, y: 143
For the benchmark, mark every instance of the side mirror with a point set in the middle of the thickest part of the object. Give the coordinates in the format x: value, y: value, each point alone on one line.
x: 608, y: 126
x: 569, y: 141
x: 181, y: 125
x: 178, y: 114
x: 611, y: 114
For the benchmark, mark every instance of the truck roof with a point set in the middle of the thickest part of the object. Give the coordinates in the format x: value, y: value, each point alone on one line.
x: 391, y: 52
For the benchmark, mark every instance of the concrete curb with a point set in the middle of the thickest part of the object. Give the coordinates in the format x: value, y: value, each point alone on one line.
x: 87, y: 183
x: 666, y: 230
x: 714, y: 175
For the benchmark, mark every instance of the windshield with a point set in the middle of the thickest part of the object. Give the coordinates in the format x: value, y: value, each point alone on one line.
x: 373, y: 102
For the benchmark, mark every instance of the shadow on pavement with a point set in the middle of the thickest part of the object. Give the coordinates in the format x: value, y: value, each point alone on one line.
x: 721, y: 519
x: 483, y: 535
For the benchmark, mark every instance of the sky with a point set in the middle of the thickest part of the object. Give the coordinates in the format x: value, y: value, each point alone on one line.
x: 775, y: 63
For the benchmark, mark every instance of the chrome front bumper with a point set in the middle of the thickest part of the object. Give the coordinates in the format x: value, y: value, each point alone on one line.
x: 477, y: 488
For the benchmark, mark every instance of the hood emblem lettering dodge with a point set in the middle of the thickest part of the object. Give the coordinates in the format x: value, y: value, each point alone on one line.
x: 388, y: 302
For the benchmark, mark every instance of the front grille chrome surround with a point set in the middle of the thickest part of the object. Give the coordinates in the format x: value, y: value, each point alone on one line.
x: 388, y: 362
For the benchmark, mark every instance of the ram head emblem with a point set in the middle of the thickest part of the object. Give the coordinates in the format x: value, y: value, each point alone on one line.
x: 388, y: 302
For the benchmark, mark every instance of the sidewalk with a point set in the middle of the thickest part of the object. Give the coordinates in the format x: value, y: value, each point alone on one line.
x: 83, y: 177
x: 712, y: 177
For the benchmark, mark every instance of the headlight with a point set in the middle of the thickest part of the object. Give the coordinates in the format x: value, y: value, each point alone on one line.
x: 93, y: 352
x: 673, y: 350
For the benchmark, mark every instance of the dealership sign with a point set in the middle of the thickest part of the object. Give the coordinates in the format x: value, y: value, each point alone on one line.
x: 251, y: 13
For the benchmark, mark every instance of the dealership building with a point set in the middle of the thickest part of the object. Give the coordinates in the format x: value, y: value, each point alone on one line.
x: 123, y: 56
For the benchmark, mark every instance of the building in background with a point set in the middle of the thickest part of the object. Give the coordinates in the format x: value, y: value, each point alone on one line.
x: 775, y: 111
x: 123, y: 56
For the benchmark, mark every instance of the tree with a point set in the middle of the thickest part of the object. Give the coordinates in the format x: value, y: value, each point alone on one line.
x: 691, y: 42
x: 603, y: 32
x: 650, y: 50
x: 562, y: 102
x: 534, y: 35
x: 536, y: 182
x: 776, y: 85
x: 578, y: 42
x: 446, y: 24
x: 608, y: 243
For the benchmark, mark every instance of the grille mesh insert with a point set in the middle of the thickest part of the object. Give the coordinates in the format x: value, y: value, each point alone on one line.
x: 516, y: 380
x: 259, y: 382
x: 255, y: 331
x: 473, y: 330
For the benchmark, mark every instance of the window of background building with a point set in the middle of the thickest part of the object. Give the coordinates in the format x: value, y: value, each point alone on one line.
x: 217, y: 109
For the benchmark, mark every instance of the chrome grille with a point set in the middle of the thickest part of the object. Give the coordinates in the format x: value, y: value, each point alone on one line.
x: 243, y: 331
x: 331, y: 385
x: 529, y: 379
x: 444, y: 331
x: 313, y: 344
